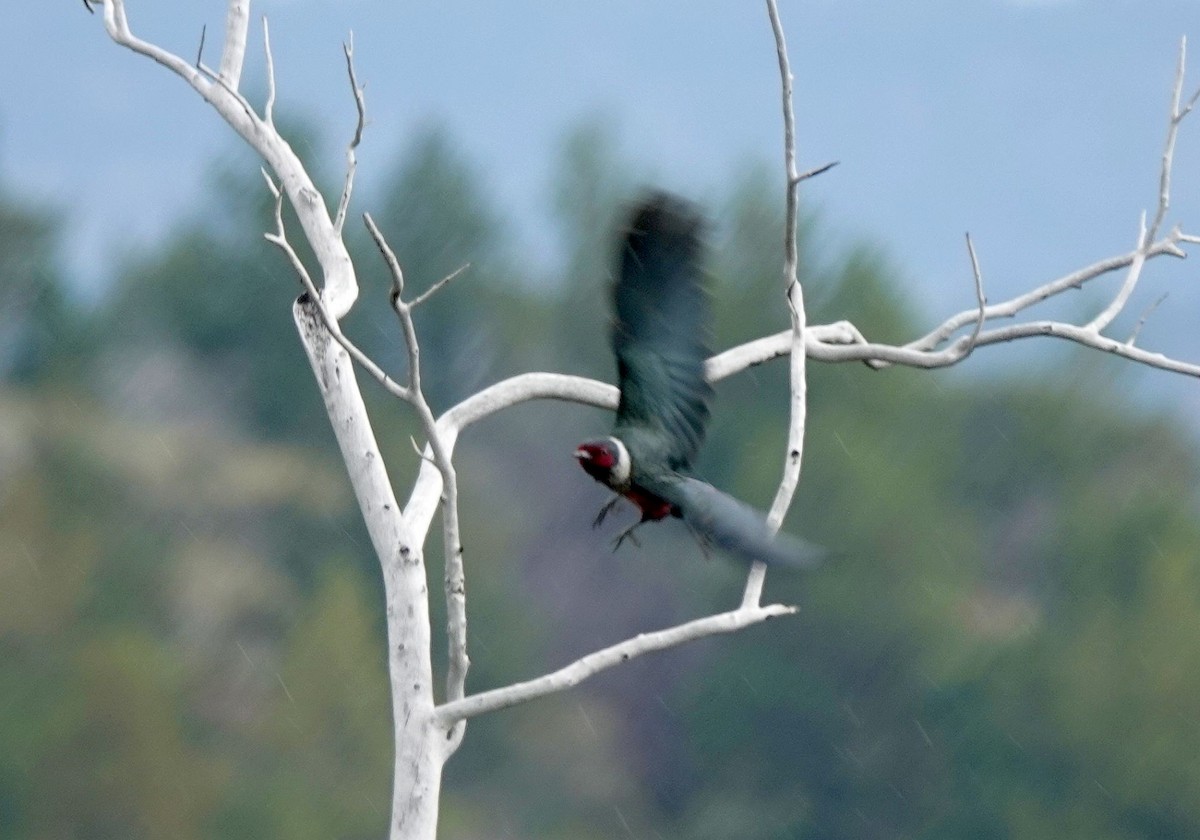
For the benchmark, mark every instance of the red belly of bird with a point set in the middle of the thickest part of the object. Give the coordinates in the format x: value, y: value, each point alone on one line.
x: 652, y: 507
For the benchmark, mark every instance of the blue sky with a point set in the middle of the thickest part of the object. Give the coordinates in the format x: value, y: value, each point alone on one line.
x: 1035, y: 125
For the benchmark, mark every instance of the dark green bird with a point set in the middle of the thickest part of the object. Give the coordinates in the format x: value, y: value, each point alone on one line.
x: 660, y: 341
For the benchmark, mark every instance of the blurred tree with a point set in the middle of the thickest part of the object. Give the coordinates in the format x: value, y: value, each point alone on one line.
x: 318, y: 762
x: 41, y: 329
x: 136, y: 586
x: 201, y: 328
x: 1007, y: 646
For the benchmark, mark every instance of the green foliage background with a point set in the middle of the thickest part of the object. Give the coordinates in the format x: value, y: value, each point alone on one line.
x: 191, y: 642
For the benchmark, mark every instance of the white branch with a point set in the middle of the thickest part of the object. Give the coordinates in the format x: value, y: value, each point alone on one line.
x: 454, y: 579
x: 339, y: 219
x: 1168, y: 245
x: 269, y: 58
x: 340, y: 284
x: 593, y: 663
x: 980, y: 298
x: 1146, y: 235
x: 279, y: 239
x: 837, y: 342
x: 1089, y: 338
x: 798, y: 376
x: 237, y: 23
x: 1132, y: 276
x: 419, y: 749
x: 526, y: 387
x: 427, y: 489
x: 1178, y: 112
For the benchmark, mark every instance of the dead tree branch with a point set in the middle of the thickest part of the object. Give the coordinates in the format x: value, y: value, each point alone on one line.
x: 594, y: 663
x: 798, y: 375
x: 426, y: 734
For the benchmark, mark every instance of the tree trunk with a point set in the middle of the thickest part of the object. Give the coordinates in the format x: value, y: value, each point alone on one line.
x: 420, y: 740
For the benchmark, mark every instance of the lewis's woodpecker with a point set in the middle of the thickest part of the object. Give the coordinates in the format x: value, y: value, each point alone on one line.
x: 660, y: 341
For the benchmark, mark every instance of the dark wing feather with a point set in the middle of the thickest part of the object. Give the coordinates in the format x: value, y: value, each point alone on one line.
x: 731, y: 525
x: 661, y: 333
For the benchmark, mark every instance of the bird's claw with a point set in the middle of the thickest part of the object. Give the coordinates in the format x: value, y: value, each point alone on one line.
x: 627, y: 534
x: 604, y: 511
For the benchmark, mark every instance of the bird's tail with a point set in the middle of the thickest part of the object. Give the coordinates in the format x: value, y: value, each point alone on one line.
x: 735, y: 527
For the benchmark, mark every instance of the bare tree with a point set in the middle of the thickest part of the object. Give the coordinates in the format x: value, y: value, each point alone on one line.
x: 427, y: 732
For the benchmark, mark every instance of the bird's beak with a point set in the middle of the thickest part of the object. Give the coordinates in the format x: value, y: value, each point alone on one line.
x: 582, y: 454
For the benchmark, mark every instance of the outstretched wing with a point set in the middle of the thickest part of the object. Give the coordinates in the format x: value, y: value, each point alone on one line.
x: 661, y: 331
x: 731, y: 525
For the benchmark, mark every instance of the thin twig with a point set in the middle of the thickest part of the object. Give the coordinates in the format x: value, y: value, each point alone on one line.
x: 437, y: 287
x: 813, y: 173
x: 200, y: 49
x: 389, y: 256
x: 979, y: 297
x: 360, y: 106
x: 962, y: 348
x: 1141, y: 322
x: 421, y: 453
x: 789, y: 144
x: 1168, y: 155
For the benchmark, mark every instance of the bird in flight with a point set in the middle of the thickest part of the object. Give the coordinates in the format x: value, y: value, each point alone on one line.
x: 660, y: 340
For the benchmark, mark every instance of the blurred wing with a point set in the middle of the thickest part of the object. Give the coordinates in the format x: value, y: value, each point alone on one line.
x: 731, y: 525
x: 661, y: 331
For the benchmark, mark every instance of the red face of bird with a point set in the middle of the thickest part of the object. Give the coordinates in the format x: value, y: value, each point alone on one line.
x: 606, y: 460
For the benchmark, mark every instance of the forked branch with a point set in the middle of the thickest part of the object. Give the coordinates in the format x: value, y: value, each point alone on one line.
x: 454, y: 576
x: 279, y: 239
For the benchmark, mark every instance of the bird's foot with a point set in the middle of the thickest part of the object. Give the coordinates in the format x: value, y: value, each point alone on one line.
x: 606, y: 510
x: 627, y: 534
